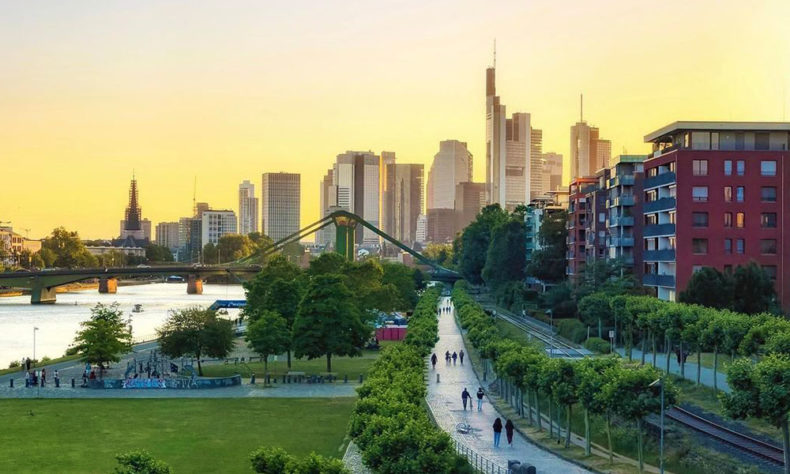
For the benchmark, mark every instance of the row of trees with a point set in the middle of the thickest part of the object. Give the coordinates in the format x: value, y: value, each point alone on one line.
x: 747, y: 290
x: 602, y: 387
x: 326, y: 309
x: 666, y: 325
x: 389, y: 422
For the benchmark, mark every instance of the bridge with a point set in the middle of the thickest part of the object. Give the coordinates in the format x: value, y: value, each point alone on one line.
x: 43, y: 284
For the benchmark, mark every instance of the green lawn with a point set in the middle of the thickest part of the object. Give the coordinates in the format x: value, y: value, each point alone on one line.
x: 351, y: 366
x: 192, y: 435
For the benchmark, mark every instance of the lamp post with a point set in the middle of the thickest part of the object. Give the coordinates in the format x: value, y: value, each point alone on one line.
x: 660, y: 382
x: 34, y: 343
x: 551, y: 344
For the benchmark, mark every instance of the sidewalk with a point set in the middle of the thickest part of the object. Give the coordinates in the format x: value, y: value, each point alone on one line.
x: 706, y: 374
x: 444, y: 399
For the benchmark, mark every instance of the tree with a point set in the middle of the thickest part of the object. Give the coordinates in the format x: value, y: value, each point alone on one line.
x: 595, y: 310
x: 602, y: 402
x: 635, y: 398
x: 113, y: 258
x: 104, y: 337
x: 328, y: 321
x: 327, y: 262
x: 140, y: 462
x: 565, y: 392
x: 548, y: 262
x: 273, y: 460
x: 506, y: 256
x: 440, y: 253
x: 283, y: 298
x: 475, y: 240
x: 709, y: 287
x: 258, y: 288
x: 761, y: 390
x: 67, y: 249
x: 158, y: 253
x: 269, y: 335
x: 590, y: 372
x: 232, y: 247
x: 753, y: 290
x: 195, y: 332
x: 402, y: 278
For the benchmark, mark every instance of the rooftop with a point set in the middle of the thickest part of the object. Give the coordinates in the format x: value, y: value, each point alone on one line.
x: 717, y: 126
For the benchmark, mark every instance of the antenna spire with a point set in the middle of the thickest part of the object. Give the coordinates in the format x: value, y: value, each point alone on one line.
x: 194, y: 197
x: 581, y: 107
x: 494, y: 53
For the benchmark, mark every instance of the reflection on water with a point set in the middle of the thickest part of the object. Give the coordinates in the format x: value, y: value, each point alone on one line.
x: 58, y: 323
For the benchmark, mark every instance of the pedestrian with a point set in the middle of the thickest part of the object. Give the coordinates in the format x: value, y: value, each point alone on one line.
x: 455, y: 357
x: 461, y: 355
x: 27, y: 379
x: 433, y: 360
x: 497, y: 431
x: 27, y: 364
x: 447, y: 357
x: 509, y: 432
x: 43, y: 377
x: 480, y: 399
x: 57, y: 377
x: 465, y: 397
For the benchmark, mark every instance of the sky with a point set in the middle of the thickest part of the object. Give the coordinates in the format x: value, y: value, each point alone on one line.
x: 216, y: 92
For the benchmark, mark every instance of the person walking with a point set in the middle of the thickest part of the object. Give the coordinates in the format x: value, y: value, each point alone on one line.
x: 27, y: 379
x: 509, y: 432
x: 465, y: 397
x: 57, y: 378
x: 433, y: 360
x: 461, y: 356
x: 497, y: 431
x: 43, y: 377
x: 455, y: 357
x: 480, y: 399
x: 447, y: 357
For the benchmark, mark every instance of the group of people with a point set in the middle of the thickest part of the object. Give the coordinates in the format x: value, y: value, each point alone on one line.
x: 466, y: 397
x: 448, y: 357
x: 498, y: 432
x: 444, y: 310
x: 39, y: 377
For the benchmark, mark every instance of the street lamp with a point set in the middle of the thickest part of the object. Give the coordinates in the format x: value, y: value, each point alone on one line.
x: 34, y: 343
x: 551, y: 344
x: 660, y: 383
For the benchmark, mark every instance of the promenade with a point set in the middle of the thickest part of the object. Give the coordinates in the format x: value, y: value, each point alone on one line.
x: 444, y: 400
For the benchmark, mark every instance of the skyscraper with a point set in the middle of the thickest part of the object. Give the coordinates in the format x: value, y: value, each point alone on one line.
x: 357, y: 182
x: 552, y: 171
x: 403, y: 201
x: 280, y: 199
x: 470, y: 198
x: 248, y: 208
x: 589, y: 153
x: 495, y: 141
x: 215, y: 224
x: 451, y: 165
x: 327, y: 199
x: 167, y: 235
x: 537, y: 175
x: 387, y: 192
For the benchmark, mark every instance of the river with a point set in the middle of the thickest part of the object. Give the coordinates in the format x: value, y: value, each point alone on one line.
x: 57, y: 323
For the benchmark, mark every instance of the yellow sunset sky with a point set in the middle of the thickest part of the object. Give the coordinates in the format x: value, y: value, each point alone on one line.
x: 222, y: 91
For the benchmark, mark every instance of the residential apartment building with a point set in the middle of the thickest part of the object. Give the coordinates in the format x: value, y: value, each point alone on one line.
x: 167, y: 235
x: 624, y: 206
x: 13, y: 245
x: 248, y: 208
x: 537, y: 211
x: 580, y: 212
x: 714, y: 196
x: 280, y: 204
x: 596, y: 230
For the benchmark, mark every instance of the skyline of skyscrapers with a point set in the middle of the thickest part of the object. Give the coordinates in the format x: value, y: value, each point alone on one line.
x: 248, y: 208
x: 589, y: 152
x: 356, y: 178
x: 280, y: 202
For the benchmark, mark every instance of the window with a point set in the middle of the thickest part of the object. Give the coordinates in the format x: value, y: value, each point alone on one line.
x: 740, y: 167
x: 767, y: 168
x: 672, y: 217
x: 699, y: 246
x: 727, y: 167
x: 651, y: 195
x: 699, y: 219
x: 739, y: 194
x: 651, y: 219
x: 727, y: 193
x: 768, y: 246
x: 740, y: 220
x: 671, y: 243
x: 768, y: 194
x: 728, y: 219
x: 740, y: 246
x: 714, y: 140
x: 728, y: 246
x: 696, y: 268
x: 768, y: 220
x: 671, y: 166
x: 761, y: 141
x: 652, y: 172
x: 699, y: 193
x: 699, y: 167
x: 770, y: 270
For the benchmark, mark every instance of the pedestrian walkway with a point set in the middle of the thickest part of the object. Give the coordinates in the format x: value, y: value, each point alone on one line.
x: 706, y: 374
x: 444, y: 400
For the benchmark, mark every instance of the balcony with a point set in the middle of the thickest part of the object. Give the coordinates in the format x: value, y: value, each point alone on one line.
x: 624, y: 221
x: 651, y: 279
x: 659, y: 229
x: 663, y: 204
x: 625, y: 180
x: 621, y: 242
x: 625, y: 200
x: 667, y: 255
x: 660, y: 180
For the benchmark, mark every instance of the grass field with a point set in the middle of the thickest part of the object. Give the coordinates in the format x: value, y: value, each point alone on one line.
x: 351, y: 366
x: 192, y: 435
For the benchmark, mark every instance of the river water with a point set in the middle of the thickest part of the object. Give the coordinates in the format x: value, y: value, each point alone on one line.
x: 57, y: 323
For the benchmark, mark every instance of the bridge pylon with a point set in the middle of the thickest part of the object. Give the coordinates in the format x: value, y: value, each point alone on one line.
x: 345, y: 231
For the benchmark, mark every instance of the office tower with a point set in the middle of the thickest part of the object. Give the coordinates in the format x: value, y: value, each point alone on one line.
x: 713, y: 197
x: 387, y: 192
x: 248, y: 208
x: 508, y: 151
x: 537, y: 172
x: 403, y: 200
x: 552, y: 171
x: 589, y: 152
x: 167, y: 235
x: 470, y: 198
x: 624, y: 222
x: 200, y: 208
x: 451, y: 165
x: 357, y: 181
x: 189, y: 239
x: 280, y: 201
x: 327, y: 195
x: 215, y: 224
x: 441, y: 225
x: 422, y: 229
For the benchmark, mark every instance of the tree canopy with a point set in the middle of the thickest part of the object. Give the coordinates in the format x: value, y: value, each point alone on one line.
x: 65, y: 249
x: 548, y: 263
x: 506, y: 256
x: 269, y: 335
x: 708, y: 287
x: 195, y: 332
x: 475, y: 240
x: 104, y: 337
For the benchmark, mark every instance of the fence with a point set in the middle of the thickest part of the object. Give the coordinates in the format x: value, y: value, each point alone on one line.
x: 478, y: 462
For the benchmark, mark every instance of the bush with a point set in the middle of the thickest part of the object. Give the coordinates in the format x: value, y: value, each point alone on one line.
x: 45, y: 359
x: 272, y: 460
x: 598, y: 345
x: 140, y: 462
x: 14, y: 364
x: 572, y: 330
x: 73, y: 350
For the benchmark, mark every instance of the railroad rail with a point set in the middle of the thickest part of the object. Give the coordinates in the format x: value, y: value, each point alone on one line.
x: 747, y: 444
x: 536, y: 331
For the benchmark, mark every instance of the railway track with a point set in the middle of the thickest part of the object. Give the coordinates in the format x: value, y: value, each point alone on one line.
x: 747, y: 444
x: 560, y: 346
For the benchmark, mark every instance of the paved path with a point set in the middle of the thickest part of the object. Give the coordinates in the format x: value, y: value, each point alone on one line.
x: 444, y: 399
x: 706, y: 374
